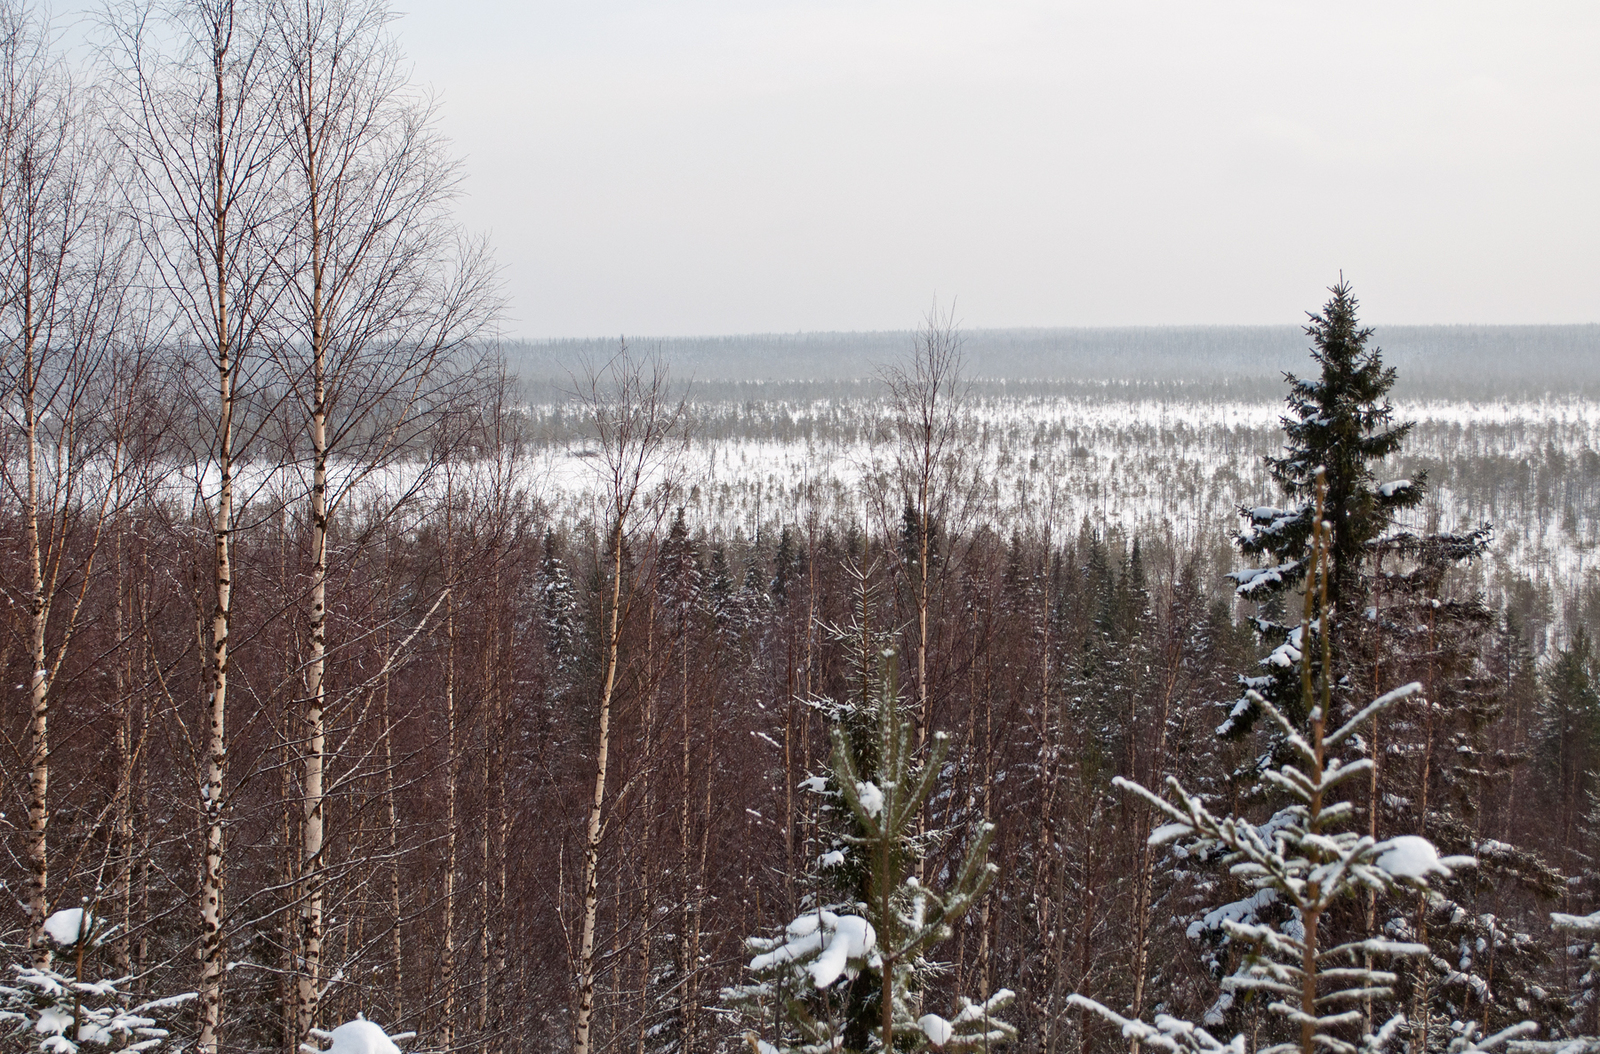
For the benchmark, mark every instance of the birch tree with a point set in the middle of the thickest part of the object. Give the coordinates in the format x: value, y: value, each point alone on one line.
x: 63, y: 449
x: 639, y: 431
x: 381, y: 292
x: 197, y: 81
x: 927, y: 396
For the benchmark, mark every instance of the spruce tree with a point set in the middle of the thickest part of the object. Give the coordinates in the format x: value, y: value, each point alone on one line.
x: 1341, y: 422
x: 1322, y: 987
x: 67, y: 1009
x: 847, y: 975
x: 1339, y: 425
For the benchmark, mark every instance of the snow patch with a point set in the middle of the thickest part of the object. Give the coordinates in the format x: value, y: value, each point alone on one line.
x: 53, y: 1021
x: 1168, y: 831
x: 69, y: 925
x: 1240, y: 911
x: 356, y: 1037
x: 936, y: 1028
x: 871, y: 798
x: 838, y: 938
x: 1588, y: 925
x: 1410, y: 856
x: 852, y: 938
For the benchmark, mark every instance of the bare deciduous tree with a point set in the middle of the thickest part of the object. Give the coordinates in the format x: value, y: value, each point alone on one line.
x: 639, y: 431
x: 381, y: 290
x: 200, y: 136
x: 66, y: 388
x: 927, y: 399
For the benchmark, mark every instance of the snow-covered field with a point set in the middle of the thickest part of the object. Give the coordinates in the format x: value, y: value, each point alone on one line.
x: 1178, y: 469
x: 1530, y: 468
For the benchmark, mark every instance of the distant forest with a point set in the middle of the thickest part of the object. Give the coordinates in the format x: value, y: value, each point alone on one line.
x: 1202, y: 362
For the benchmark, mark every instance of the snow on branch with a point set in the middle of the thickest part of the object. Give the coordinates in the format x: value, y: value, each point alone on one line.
x: 1253, y: 580
x: 1167, y: 1033
x: 827, y: 945
x: 1582, y: 925
x: 1371, y: 710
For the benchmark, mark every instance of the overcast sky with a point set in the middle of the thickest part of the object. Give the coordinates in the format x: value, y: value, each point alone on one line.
x: 671, y: 167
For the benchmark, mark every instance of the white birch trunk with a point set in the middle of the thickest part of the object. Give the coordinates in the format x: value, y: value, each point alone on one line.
x: 591, y: 851
x: 447, y: 964
x: 314, y: 751
x: 211, y: 952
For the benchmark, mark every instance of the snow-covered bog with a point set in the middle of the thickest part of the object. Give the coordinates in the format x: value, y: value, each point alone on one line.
x: 1167, y: 465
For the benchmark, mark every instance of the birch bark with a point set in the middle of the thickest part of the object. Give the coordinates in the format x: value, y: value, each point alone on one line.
x: 638, y: 429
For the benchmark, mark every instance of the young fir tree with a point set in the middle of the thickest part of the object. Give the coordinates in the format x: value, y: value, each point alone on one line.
x: 670, y: 988
x: 1585, y: 929
x: 64, y: 1009
x: 1569, y: 741
x: 1305, y: 859
x: 1338, y: 424
x: 559, y: 600
x: 848, y: 974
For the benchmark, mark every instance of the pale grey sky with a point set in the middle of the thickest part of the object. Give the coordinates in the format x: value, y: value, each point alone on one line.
x: 719, y: 166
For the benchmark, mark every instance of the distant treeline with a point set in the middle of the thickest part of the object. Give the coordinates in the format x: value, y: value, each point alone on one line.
x: 1196, y: 362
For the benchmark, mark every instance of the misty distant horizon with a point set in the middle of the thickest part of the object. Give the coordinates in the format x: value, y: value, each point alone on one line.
x: 1444, y: 361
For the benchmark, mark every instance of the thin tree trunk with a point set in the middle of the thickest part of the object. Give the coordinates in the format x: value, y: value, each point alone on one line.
x: 293, y: 821
x: 122, y: 888
x: 447, y: 964
x: 396, y: 944
x: 646, y: 917
x: 591, y: 852
x: 691, y: 982
x: 211, y: 951
x: 685, y: 836
x: 313, y: 758
x: 1376, y: 754
x: 491, y: 657
x: 1141, y: 910
x: 38, y: 849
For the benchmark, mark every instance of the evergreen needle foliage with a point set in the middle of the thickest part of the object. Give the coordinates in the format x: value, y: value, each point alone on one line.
x: 1305, y: 860
x: 848, y: 976
x: 63, y: 1011
x: 1338, y: 426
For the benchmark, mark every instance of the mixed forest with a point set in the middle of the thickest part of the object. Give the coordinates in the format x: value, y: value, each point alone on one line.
x: 352, y: 675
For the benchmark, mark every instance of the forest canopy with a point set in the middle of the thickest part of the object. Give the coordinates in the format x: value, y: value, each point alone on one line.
x: 370, y: 677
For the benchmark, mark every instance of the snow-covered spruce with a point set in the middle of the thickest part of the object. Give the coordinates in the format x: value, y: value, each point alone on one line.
x: 1586, y: 928
x: 1302, y: 859
x: 58, y: 1012
x: 1338, y: 427
x: 821, y: 986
